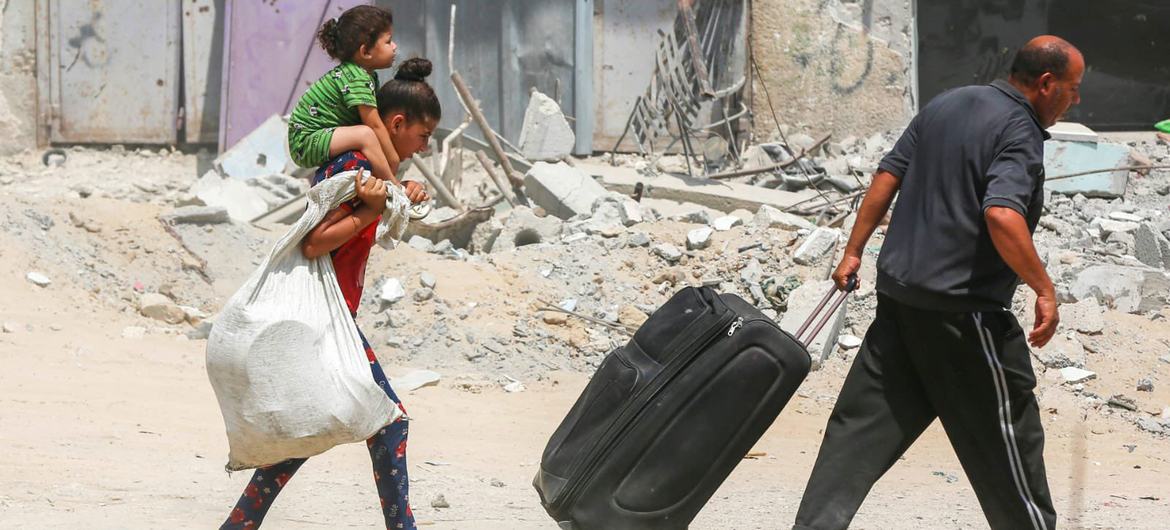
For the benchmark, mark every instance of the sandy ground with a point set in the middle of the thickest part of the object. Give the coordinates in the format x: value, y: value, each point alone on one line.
x: 100, y: 431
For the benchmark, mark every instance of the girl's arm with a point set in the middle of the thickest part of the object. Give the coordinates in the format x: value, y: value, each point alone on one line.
x: 341, y: 224
x: 371, y: 119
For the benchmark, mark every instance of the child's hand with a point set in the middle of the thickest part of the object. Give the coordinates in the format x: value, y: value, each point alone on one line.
x: 415, y: 191
x: 372, y: 192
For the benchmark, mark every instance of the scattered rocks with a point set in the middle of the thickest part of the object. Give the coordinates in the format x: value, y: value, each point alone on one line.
x: 424, y: 294
x: 819, y: 243
x: 392, y: 291
x: 1126, y: 289
x: 198, y: 215
x: 421, y: 244
x: 1073, y: 375
x: 562, y: 190
x: 1085, y: 316
x: 427, y: 280
x: 440, y: 502
x: 699, y: 238
x: 638, y: 239
x: 726, y: 223
x: 668, y: 252
x: 1145, y: 385
x: 545, y: 134
x: 159, y: 307
x: 38, y: 279
x: 769, y: 217
x: 849, y: 342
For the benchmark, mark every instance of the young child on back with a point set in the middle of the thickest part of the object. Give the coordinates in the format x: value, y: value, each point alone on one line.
x: 339, y: 112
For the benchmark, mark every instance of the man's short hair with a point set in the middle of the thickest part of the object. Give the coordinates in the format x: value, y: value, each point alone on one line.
x: 1033, y: 61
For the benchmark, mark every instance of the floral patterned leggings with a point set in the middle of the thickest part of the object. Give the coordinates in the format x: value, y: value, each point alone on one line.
x: 387, y: 453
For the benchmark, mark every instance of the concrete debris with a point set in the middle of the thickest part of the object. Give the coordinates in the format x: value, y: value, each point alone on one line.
x: 819, y: 243
x: 562, y: 190
x: 770, y: 217
x: 638, y: 239
x: 1062, y: 351
x: 568, y: 304
x: 10, y: 327
x: 392, y: 291
x: 1151, y: 247
x: 198, y: 215
x: 1110, y: 226
x: 545, y: 134
x: 440, y: 502
x: 159, y: 307
x: 699, y: 217
x: 726, y: 223
x: 415, y: 380
x: 1145, y: 385
x: 427, y: 280
x: 849, y: 342
x: 420, y: 244
x: 668, y: 252
x: 1126, y: 289
x: 627, y: 210
x: 424, y: 294
x: 263, y: 151
x: 1063, y: 158
x: 1073, y: 375
x: 514, y: 387
x: 1072, y: 132
x: 38, y: 279
x: 721, y: 195
x: 242, y: 201
x: 523, y: 227
x: 699, y: 238
x: 1085, y: 316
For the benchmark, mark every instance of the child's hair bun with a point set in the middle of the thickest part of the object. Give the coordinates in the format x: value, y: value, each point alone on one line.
x: 415, y: 69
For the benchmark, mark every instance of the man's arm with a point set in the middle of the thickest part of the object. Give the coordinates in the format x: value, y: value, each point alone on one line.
x: 1009, y: 232
x: 873, y: 208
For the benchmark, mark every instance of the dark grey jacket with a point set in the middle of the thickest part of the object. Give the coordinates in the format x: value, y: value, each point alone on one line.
x: 969, y: 149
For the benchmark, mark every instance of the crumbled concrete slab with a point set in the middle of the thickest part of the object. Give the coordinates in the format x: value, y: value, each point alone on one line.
x: 562, y: 190
x: 264, y: 151
x: 1151, y: 247
x: 1073, y: 375
x: 719, y: 195
x: 1085, y: 316
x: 159, y: 307
x: 415, y: 380
x: 1072, y: 132
x: 523, y: 227
x: 198, y: 215
x: 726, y: 223
x: 243, y: 202
x: 818, y: 244
x: 1062, y: 158
x: 392, y: 291
x: 699, y: 238
x: 545, y: 134
x: 770, y: 217
x: 1126, y: 289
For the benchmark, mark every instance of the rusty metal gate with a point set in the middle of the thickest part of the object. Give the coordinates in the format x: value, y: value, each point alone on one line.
x: 109, y: 76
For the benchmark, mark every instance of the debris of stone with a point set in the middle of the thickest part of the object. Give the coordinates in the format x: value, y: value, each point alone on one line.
x: 424, y: 294
x: 497, y: 483
x: 1122, y: 402
x: 1073, y: 375
x: 819, y: 243
x: 1063, y: 158
x: 10, y: 327
x: 242, y: 201
x: 427, y: 280
x: 726, y: 223
x: 392, y: 291
x: 264, y: 151
x: 523, y: 227
x: 1145, y: 385
x: 668, y: 252
x: 1085, y: 316
x: 848, y: 342
x: 568, y: 304
x: 562, y: 190
x: 1151, y: 247
x: 514, y: 387
x: 420, y: 244
x: 699, y: 238
x: 554, y: 318
x: 545, y: 134
x: 1072, y: 132
x: 769, y: 217
x: 415, y: 380
x: 440, y: 502
x: 198, y: 215
x: 159, y: 307
x: 630, y: 315
x: 38, y: 279
x: 1126, y: 289
x: 638, y: 239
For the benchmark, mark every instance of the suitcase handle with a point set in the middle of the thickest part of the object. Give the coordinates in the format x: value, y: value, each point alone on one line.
x: 838, y: 297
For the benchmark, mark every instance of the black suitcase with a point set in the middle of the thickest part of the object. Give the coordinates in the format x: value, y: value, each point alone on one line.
x: 666, y: 417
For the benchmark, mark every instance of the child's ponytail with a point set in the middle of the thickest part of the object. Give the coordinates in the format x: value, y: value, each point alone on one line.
x: 343, y: 36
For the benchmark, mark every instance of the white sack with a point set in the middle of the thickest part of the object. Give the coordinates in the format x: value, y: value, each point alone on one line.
x: 285, y: 358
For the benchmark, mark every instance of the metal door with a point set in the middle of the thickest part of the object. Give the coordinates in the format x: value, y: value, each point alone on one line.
x: 113, y: 72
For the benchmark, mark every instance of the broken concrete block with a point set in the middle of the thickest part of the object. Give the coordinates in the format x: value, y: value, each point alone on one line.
x: 421, y: 244
x: 1151, y: 247
x: 545, y: 135
x: 699, y: 238
x: 1125, y: 216
x: 629, y: 212
x: 159, y: 307
x: 415, y: 380
x: 819, y: 243
x: 1085, y: 316
x: 1110, y: 226
x: 769, y: 217
x: 668, y: 252
x: 485, y: 235
x: 392, y: 291
x: 198, y: 215
x: 562, y: 190
x: 263, y: 151
x: 1126, y: 289
x: 424, y: 294
x: 699, y: 217
x: 638, y: 239
x: 427, y: 280
x: 243, y: 202
x: 801, y: 303
x: 1072, y: 132
x: 1073, y: 375
x: 1061, y: 352
x: 726, y: 222
x: 1063, y: 157
x: 849, y: 342
x: 522, y: 227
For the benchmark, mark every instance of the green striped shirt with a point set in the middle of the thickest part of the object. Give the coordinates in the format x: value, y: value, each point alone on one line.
x: 332, y: 100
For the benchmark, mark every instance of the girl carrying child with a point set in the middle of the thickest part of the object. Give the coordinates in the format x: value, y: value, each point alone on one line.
x: 408, y: 112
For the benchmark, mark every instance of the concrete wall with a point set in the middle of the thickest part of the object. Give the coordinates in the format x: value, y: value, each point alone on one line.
x: 840, y: 66
x: 18, y: 76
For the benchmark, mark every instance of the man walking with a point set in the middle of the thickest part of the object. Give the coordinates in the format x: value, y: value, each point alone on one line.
x: 970, y: 173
